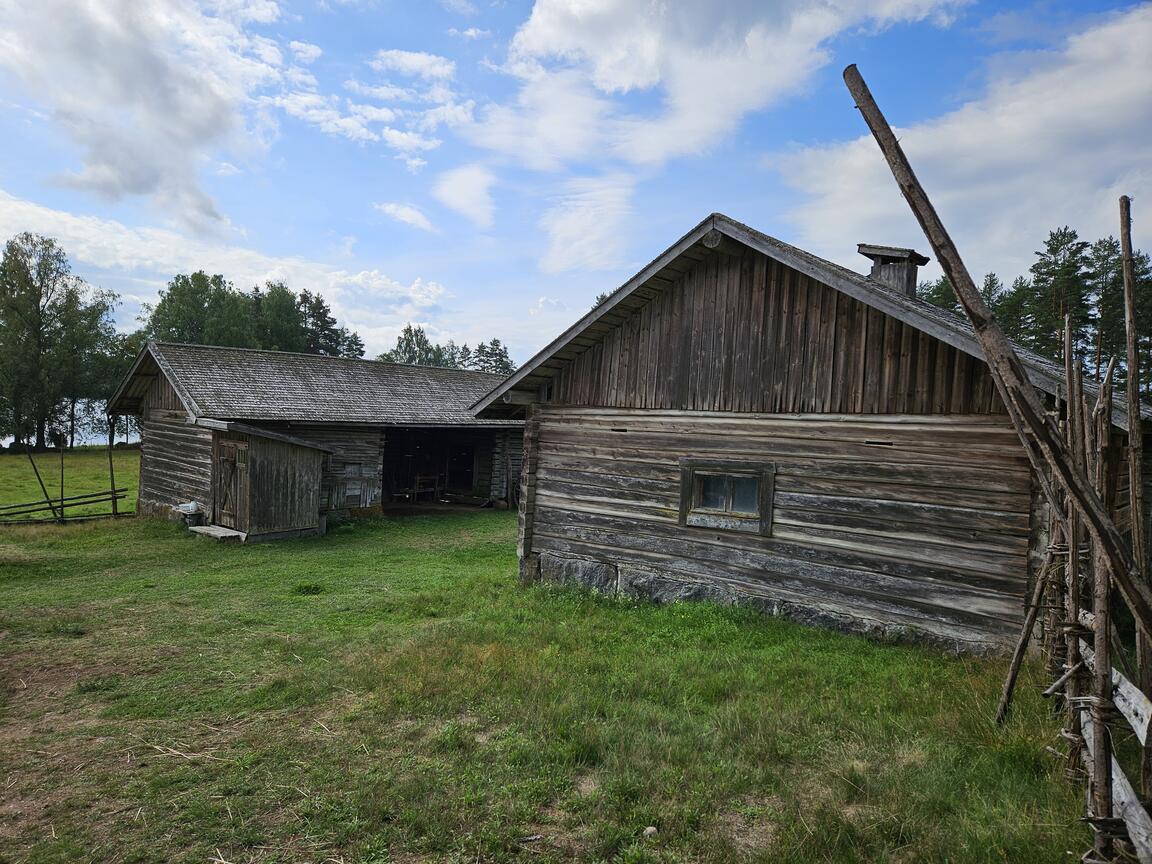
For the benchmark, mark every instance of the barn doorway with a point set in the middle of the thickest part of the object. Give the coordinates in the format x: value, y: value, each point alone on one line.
x: 231, y: 492
x: 461, y: 468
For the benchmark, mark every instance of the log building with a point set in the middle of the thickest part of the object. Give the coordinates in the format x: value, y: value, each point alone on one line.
x: 746, y: 422
x: 271, y: 443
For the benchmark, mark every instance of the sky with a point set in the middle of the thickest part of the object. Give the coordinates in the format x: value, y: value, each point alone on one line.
x: 485, y: 169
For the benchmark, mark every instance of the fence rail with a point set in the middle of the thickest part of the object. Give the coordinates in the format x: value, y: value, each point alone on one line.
x: 18, y: 514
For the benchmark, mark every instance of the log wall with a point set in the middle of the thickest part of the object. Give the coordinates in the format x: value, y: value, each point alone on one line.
x: 175, y: 457
x: 894, y: 524
x: 351, y: 478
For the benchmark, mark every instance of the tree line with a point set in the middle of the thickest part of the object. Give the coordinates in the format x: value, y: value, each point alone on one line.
x: 414, y: 346
x: 61, y: 357
x: 1072, y: 277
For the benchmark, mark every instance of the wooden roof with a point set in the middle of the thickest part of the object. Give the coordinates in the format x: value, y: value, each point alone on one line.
x: 245, y: 384
x: 718, y: 231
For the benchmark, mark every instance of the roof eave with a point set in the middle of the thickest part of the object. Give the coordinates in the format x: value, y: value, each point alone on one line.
x: 594, y: 315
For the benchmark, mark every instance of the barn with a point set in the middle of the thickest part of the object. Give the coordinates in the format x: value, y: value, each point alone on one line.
x: 272, y: 444
x: 745, y: 422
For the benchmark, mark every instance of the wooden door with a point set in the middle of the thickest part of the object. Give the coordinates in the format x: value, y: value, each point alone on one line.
x: 231, y: 484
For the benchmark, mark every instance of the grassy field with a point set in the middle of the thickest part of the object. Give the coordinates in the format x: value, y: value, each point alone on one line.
x: 389, y: 694
x: 85, y: 470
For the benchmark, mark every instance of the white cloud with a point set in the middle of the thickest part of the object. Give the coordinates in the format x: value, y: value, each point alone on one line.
x: 369, y: 301
x: 305, y: 52
x: 372, y: 113
x: 710, y: 65
x: 453, y: 114
x: 470, y: 33
x: 383, y: 92
x: 461, y: 7
x: 407, y: 142
x: 556, y: 119
x: 545, y: 305
x: 405, y: 213
x: 1051, y: 143
x: 468, y: 191
x: 584, y: 224
x: 414, y: 63
x: 324, y: 112
x: 147, y: 90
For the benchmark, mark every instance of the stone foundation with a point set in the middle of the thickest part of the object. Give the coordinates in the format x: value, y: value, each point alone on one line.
x: 662, y: 586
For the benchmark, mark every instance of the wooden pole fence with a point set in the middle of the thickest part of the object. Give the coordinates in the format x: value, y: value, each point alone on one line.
x: 1024, y: 406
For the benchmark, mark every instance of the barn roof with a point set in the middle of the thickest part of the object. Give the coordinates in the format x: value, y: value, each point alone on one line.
x: 246, y: 384
x: 718, y: 229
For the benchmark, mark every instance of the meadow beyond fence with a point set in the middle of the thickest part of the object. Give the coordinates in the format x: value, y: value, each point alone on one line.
x: 85, y: 474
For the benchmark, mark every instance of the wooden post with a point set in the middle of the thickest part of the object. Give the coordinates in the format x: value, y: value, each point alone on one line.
x: 111, y: 466
x: 60, y: 446
x: 1101, y: 702
x: 529, y: 560
x: 1025, y: 409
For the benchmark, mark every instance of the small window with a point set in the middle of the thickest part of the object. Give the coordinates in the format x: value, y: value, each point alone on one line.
x: 730, y: 496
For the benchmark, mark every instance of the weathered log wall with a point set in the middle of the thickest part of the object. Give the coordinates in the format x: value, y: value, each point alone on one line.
x: 175, y: 457
x: 351, y: 477
x: 746, y: 333
x: 507, y: 459
x: 893, y: 524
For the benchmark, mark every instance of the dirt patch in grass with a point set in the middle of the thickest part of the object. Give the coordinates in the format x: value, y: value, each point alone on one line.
x: 586, y: 785
x: 748, y: 834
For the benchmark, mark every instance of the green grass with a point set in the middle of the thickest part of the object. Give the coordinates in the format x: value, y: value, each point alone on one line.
x: 85, y: 470
x: 389, y: 694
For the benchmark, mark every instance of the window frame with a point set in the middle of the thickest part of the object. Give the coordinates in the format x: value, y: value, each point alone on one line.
x: 692, y: 516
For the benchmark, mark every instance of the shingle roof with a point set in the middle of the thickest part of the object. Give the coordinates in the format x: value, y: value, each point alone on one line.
x: 946, y: 326
x: 245, y: 384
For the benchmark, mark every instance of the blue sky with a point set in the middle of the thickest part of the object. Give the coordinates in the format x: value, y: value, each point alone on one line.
x: 487, y: 168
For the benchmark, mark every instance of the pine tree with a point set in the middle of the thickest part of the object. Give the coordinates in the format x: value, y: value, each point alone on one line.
x: 940, y: 293
x: 321, y: 335
x: 493, y: 357
x: 1013, y: 312
x: 1061, y: 277
x: 413, y: 346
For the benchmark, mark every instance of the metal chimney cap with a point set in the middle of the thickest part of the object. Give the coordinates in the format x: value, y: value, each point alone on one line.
x: 890, y: 254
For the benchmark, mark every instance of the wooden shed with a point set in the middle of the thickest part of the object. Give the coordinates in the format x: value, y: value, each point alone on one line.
x: 272, y: 443
x: 746, y: 422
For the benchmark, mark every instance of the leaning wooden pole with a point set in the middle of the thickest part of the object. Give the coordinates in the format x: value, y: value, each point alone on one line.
x: 1022, y: 642
x: 1135, y: 437
x: 1074, y: 384
x: 1101, y: 701
x: 43, y: 488
x: 1023, y: 403
x: 1135, y: 464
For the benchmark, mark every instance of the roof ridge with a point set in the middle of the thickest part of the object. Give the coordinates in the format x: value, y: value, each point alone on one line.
x: 451, y: 369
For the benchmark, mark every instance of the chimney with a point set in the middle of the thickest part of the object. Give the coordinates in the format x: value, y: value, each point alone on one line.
x: 893, y: 266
